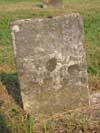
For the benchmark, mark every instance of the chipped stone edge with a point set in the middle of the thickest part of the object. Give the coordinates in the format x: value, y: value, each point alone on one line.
x: 13, y: 42
x: 14, y: 29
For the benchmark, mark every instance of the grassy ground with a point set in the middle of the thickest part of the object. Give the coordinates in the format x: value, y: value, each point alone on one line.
x: 10, y: 10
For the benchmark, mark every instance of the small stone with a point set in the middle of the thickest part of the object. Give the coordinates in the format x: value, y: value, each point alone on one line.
x: 95, y: 98
x: 16, y: 28
x: 53, y: 3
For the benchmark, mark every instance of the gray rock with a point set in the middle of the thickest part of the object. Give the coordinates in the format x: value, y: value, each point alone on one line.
x: 95, y: 99
x: 53, y: 3
x: 51, y: 63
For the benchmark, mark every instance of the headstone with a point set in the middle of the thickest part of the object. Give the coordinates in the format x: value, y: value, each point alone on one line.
x: 51, y: 63
x: 53, y: 3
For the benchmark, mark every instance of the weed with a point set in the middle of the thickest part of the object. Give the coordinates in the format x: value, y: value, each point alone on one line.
x: 30, y: 123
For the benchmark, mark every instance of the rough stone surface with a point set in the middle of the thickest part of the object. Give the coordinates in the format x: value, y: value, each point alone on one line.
x: 95, y: 99
x: 53, y: 3
x: 51, y: 63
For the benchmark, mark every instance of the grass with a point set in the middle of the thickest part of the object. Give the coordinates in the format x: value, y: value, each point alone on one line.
x: 11, y: 116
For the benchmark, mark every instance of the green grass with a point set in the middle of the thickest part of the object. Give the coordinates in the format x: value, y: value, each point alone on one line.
x: 17, y: 1
x: 92, y: 37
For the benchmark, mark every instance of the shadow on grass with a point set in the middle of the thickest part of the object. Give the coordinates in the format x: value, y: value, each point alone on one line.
x: 12, y: 85
x: 3, y: 127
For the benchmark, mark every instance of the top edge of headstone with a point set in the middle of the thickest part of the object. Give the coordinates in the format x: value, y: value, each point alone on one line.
x: 25, y: 21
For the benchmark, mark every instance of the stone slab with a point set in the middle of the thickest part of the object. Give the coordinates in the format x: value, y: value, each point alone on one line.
x: 51, y: 63
x: 52, y: 3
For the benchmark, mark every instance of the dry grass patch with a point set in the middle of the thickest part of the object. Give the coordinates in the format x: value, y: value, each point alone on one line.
x: 5, y: 68
x: 69, y: 6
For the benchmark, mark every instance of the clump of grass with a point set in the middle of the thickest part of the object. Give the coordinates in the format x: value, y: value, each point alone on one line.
x: 30, y: 123
x: 3, y: 125
x: 69, y: 121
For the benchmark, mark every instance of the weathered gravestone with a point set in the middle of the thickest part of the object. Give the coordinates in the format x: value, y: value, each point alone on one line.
x: 53, y: 3
x: 51, y: 63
